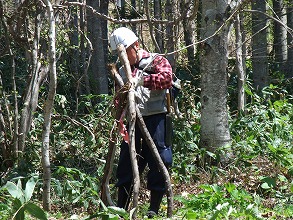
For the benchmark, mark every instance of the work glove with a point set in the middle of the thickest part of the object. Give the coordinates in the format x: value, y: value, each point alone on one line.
x: 138, y: 79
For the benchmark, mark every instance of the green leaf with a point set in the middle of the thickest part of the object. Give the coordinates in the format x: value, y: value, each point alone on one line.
x: 16, y: 204
x: 230, y: 187
x: 14, y: 190
x: 117, y: 210
x: 19, y: 214
x: 191, y: 215
x: 265, y: 186
x: 4, y: 207
x: 35, y: 211
x: 29, y: 189
x: 268, y: 183
x: 291, y: 188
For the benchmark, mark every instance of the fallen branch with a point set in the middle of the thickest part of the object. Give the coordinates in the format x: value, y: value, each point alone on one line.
x: 122, y: 93
x: 158, y: 159
x: 131, y: 129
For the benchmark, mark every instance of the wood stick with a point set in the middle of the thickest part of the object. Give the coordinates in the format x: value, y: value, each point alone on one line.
x: 158, y: 159
x: 131, y: 130
x: 105, y: 189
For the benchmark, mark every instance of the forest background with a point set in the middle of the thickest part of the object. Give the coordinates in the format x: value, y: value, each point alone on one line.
x: 232, y: 147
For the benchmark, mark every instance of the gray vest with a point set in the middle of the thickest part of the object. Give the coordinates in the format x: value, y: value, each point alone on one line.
x: 149, y: 102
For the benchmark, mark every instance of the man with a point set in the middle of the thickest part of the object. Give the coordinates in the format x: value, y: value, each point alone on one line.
x: 152, y: 77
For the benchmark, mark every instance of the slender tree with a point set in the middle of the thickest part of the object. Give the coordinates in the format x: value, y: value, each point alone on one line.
x: 170, y: 31
x: 158, y: 29
x: 289, y: 65
x: 48, y: 109
x: 189, y: 27
x: 240, y: 64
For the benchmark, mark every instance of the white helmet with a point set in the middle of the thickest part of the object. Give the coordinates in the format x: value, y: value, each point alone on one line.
x: 123, y: 36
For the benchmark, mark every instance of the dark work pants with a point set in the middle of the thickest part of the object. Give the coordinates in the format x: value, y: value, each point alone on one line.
x: 155, y: 179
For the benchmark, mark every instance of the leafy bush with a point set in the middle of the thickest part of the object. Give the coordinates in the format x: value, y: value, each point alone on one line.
x: 221, y: 202
x: 21, y: 202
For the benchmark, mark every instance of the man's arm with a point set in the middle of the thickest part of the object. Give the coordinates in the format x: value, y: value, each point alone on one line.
x: 162, y: 76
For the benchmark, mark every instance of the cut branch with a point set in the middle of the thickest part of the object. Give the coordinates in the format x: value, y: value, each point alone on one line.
x: 132, y: 118
x: 105, y: 189
x: 158, y: 159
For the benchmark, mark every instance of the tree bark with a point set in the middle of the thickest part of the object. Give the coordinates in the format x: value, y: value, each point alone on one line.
x: 189, y: 24
x: 48, y: 109
x: 158, y: 27
x: 132, y: 118
x: 289, y: 65
x: 6, y: 152
x: 259, y: 46
x: 214, y: 131
x: 38, y: 73
x: 152, y: 33
x: 98, y: 68
x: 170, y: 32
x: 280, y: 34
x: 239, y: 64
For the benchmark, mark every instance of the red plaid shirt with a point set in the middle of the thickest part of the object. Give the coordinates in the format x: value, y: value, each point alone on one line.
x: 162, y: 76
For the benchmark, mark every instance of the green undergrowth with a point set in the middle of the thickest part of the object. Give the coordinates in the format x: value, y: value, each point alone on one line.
x: 256, y: 183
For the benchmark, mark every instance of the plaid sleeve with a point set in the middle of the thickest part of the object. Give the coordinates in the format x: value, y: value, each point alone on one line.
x: 162, y: 78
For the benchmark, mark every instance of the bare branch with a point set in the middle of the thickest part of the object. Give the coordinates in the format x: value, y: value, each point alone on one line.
x: 289, y: 30
x: 116, y: 21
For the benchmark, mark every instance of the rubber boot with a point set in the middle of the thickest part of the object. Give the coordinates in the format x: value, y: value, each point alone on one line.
x: 156, y: 199
x: 124, y: 194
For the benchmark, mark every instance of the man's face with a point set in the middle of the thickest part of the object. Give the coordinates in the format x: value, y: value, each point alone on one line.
x: 132, y: 53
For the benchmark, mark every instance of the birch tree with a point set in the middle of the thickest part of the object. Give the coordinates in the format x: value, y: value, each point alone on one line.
x: 214, y: 131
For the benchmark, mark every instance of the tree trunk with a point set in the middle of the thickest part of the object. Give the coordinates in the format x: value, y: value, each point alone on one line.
x: 6, y: 151
x: 189, y: 29
x: 48, y: 110
x: 259, y: 46
x: 170, y: 44
x: 38, y: 73
x: 99, y: 76
x: 213, y: 61
x: 280, y: 34
x: 83, y: 51
x: 158, y: 28
x: 105, y: 190
x: 150, y: 25
x: 74, y: 59
x: 239, y: 64
x: 289, y: 66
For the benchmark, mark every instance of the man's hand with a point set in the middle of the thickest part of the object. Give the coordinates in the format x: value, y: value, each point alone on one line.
x: 138, y: 79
